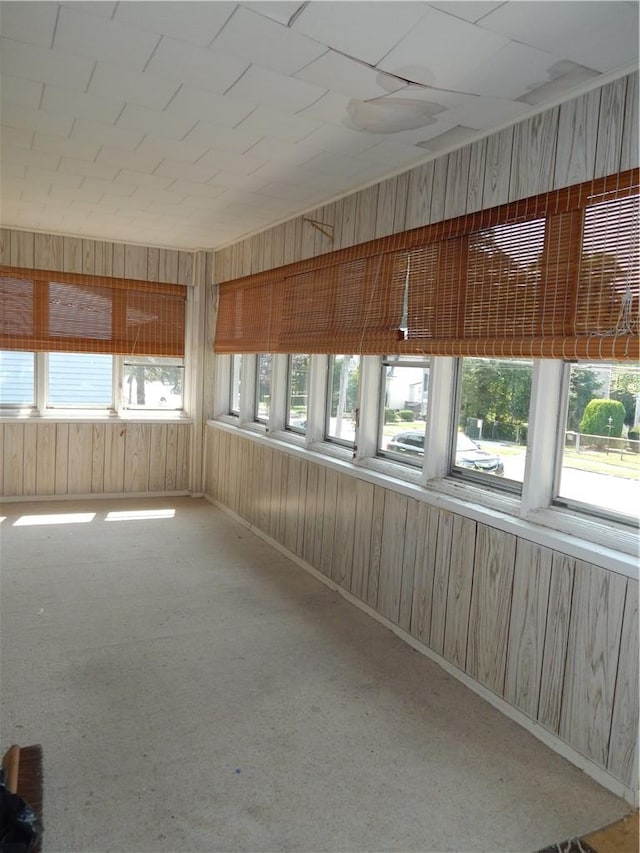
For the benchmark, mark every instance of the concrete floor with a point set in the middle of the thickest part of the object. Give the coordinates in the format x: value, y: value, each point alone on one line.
x: 196, y: 691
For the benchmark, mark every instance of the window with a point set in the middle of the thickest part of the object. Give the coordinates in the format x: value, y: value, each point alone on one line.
x: 152, y: 383
x: 17, y: 378
x: 234, y: 385
x: 494, y: 398
x: 80, y: 379
x: 343, y: 392
x: 599, y: 448
x: 264, y: 365
x: 298, y: 392
x: 404, y: 393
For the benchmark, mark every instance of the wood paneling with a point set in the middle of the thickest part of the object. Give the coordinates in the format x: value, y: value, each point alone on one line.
x: 576, y: 143
x: 459, y: 591
x: 458, y: 165
x: 419, y: 189
x: 426, y: 541
x: 80, y: 459
x: 630, y: 145
x: 46, y: 459
x: 497, y: 172
x: 592, y: 660
x: 30, y: 456
x: 377, y: 520
x: 362, y: 539
x: 609, y: 141
x: 623, y: 746
x: 345, y: 525
x: 533, y: 156
x: 48, y: 252
x: 409, y: 563
x: 441, y: 570
x: 392, y: 555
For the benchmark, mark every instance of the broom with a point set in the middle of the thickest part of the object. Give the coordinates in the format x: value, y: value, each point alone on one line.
x: 23, y: 771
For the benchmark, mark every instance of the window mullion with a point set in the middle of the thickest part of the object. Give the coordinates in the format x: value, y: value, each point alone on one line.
x: 277, y: 409
x: 439, y: 419
x: 317, y: 398
x: 41, y: 381
x: 367, y: 434
x: 248, y: 388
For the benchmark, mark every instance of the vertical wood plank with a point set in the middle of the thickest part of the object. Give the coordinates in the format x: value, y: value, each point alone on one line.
x: 623, y: 745
x: 276, y: 491
x: 555, y: 642
x: 48, y: 252
x: 630, y: 146
x: 103, y: 258
x: 30, y: 459
x: 419, y: 191
x: 114, y: 446
x: 117, y: 260
x: 534, y: 154
x: 477, y: 165
x: 13, y: 461
x: 185, y: 268
x: 392, y: 555
x: 157, y: 457
x: 171, y: 456
x: 576, y: 142
x: 319, y: 521
x: 183, y: 457
x: 304, y: 473
x: 72, y: 249
x: 22, y: 249
x: 385, y: 212
x: 98, y: 458
x: 135, y: 262
x: 441, y: 580
x: 377, y: 520
x: 310, y: 512
x: 426, y: 540
x: 439, y: 190
x: 362, y: 538
x: 323, y: 242
x: 400, y: 211
x: 457, y: 186
x: 366, y: 209
x: 497, y: 172
x: 329, y: 521
x: 308, y: 242
x: 346, y: 234
x: 291, y: 504
x: 62, y: 459
x: 344, y: 531
x: 490, y: 607
x: 5, y: 247
x: 277, y: 246
x: 81, y: 447
x: 266, y: 467
x: 136, y: 458
x: 592, y: 657
x: 532, y: 577
x: 408, y: 564
x: 168, y: 266
x: 45, y: 459
x: 610, y: 124
x: 88, y: 257
x: 456, y: 630
x: 153, y: 264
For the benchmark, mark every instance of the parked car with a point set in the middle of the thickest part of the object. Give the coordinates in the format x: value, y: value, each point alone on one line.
x: 468, y: 453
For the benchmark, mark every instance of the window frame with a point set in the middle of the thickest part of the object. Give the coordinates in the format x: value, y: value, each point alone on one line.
x: 330, y: 439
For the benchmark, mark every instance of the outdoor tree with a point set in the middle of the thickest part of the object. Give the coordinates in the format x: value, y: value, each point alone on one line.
x: 603, y: 417
x: 151, y: 370
x: 495, y: 391
x: 625, y: 388
x: 583, y: 387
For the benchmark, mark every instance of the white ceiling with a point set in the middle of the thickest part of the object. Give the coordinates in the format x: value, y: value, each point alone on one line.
x: 192, y: 124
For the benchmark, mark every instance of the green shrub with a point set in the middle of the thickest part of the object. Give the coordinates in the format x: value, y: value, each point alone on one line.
x: 595, y: 420
x: 634, y: 436
x: 390, y: 416
x: 406, y: 415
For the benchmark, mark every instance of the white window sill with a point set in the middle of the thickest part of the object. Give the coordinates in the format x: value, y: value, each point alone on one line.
x: 94, y: 416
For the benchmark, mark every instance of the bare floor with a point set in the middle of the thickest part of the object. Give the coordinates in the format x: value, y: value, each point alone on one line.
x: 194, y: 690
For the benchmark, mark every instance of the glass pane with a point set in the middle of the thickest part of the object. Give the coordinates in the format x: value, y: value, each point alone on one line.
x: 151, y: 382
x: 403, y: 407
x: 17, y: 378
x: 263, y: 396
x: 343, y: 394
x: 80, y: 379
x: 234, y: 390
x: 298, y: 392
x: 493, y: 417
x: 601, y: 448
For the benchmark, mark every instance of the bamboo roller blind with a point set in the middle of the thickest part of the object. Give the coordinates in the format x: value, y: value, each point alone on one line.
x: 66, y: 312
x: 553, y: 276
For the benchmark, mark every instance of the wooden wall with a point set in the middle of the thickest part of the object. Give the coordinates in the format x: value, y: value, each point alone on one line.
x: 94, y: 257
x: 588, y: 137
x: 40, y: 459
x: 555, y: 637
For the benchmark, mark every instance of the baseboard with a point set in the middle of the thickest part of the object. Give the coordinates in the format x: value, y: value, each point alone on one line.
x: 96, y: 496
x: 597, y: 773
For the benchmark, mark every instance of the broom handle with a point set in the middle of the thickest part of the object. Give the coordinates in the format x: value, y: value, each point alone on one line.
x: 11, y: 764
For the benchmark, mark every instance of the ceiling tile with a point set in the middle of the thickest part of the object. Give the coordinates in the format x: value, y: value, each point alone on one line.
x: 222, y: 138
x: 242, y: 164
x: 49, y: 176
x: 100, y: 8
x: 348, y: 77
x: 331, y: 107
x: 110, y: 187
x: 143, y: 88
x: 453, y: 138
x: 485, y: 113
x: 15, y: 115
x: 186, y: 171
x: 69, y: 103
x: 87, y: 169
x: 74, y: 193
x: 275, y: 91
x: 16, y: 137
x: 275, y: 149
x: 19, y: 90
x: 106, y: 134
x: 282, y: 12
x: 469, y: 10
x: 335, y: 164
x: 340, y: 140
x: 201, y: 104
x: 32, y: 22
x: 279, y: 125
x: 37, y: 63
x: 156, y: 122
x: 231, y: 180
x: 194, y: 22
x: 604, y: 35
x: 512, y: 71
x: 82, y: 34
x: 142, y: 179
x: 389, y: 151
x: 133, y: 160
x: 364, y: 32
x: 567, y: 75
x: 260, y: 41
x: 11, y: 170
x: 283, y: 190
x: 215, y: 72
x: 27, y: 157
x: 63, y: 146
x: 196, y: 188
x: 171, y: 149
x: 442, y: 51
